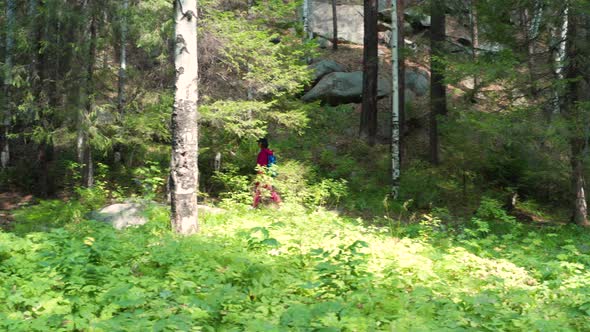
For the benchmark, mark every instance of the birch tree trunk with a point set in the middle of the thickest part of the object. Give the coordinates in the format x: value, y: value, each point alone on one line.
x: 395, y: 107
x: 368, y: 125
x: 123, y: 58
x: 7, y: 112
x: 334, y: 26
x: 184, y: 171
x: 438, y: 93
x: 560, y: 37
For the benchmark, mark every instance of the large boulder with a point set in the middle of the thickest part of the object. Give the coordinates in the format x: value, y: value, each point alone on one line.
x: 417, y: 81
x: 350, y: 21
x: 324, y: 67
x: 123, y: 215
x: 343, y: 88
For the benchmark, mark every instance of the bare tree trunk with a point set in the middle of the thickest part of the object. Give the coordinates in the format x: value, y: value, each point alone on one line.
x: 532, y: 23
x: 307, y: 31
x: 474, y: 44
x: 84, y: 138
x: 7, y: 114
x: 184, y: 170
x: 395, y: 108
x: 579, y: 183
x: 123, y: 58
x: 368, y: 126
x: 560, y: 37
x: 334, y: 26
x: 575, y: 55
x: 438, y: 93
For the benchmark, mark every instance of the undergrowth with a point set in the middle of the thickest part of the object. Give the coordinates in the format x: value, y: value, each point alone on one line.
x: 296, y: 270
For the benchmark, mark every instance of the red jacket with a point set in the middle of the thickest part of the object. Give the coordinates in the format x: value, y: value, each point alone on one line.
x: 263, y: 156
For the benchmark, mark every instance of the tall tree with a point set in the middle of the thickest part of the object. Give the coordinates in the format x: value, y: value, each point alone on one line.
x: 532, y: 21
x: 121, y: 99
x: 87, y: 97
x: 7, y: 107
x: 438, y: 92
x: 368, y: 125
x: 474, y: 43
x: 307, y: 30
x: 334, y: 26
x: 396, y: 108
x: 184, y: 171
x: 577, y: 107
x: 560, y: 36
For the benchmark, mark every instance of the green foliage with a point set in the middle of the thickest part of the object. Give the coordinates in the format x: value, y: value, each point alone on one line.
x: 288, y: 269
x: 236, y: 187
x: 151, y: 178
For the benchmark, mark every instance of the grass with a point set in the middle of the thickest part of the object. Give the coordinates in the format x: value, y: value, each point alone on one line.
x: 295, y: 270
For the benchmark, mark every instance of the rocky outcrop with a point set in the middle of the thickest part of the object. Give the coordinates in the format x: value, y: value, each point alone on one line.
x: 417, y: 81
x: 343, y: 88
x: 323, y: 68
x: 350, y: 21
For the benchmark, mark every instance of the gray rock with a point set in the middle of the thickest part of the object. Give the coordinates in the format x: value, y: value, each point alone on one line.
x: 409, y: 95
x: 417, y: 81
x: 490, y: 47
x: 324, y: 43
x: 324, y: 67
x: 124, y: 215
x: 417, y: 18
x: 343, y: 88
x: 350, y: 21
x: 121, y: 215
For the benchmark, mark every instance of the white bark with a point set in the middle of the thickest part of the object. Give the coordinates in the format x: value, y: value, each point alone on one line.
x: 123, y: 57
x: 184, y: 171
x: 10, y: 22
x: 217, y: 163
x: 536, y: 21
x: 559, y: 59
x: 395, y: 132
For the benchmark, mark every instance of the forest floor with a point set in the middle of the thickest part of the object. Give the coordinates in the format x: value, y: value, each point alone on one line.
x: 10, y: 201
x: 294, y: 269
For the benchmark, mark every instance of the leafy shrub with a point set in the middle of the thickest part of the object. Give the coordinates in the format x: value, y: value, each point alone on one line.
x: 237, y: 187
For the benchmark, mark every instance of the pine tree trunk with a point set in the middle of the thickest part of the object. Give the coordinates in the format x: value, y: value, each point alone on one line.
x: 438, y: 93
x: 533, y: 22
x: 88, y: 168
x: 307, y: 30
x: 575, y: 55
x: 475, y: 45
x: 368, y: 126
x: 578, y: 182
x: 334, y: 26
x: 184, y: 171
x: 7, y: 102
x: 395, y: 97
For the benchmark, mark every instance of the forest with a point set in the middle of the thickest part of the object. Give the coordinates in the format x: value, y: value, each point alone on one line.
x: 294, y: 165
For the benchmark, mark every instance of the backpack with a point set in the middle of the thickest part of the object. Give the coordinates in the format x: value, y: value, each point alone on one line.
x: 272, y: 162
